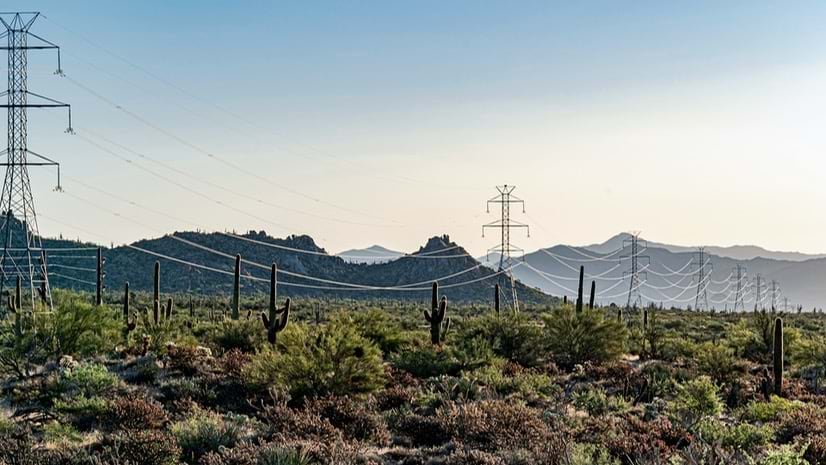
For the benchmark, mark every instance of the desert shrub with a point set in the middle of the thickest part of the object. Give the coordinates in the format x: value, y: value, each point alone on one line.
x: 233, y: 363
x: 393, y: 397
x: 379, y: 327
x: 205, y: 432
x: 473, y: 457
x: 816, y: 452
x: 196, y: 389
x: 426, y: 361
x: 493, y: 425
x: 804, y: 422
x: 718, y: 362
x: 696, y: 399
x: 88, y: 380
x: 354, y: 418
x: 186, y: 359
x: 131, y: 413
x: 514, y: 337
x: 769, y: 411
x: 60, y: 433
x: 419, y: 430
x: 288, y: 423
x: 257, y: 454
x: 784, y: 456
x: 16, y: 447
x: 79, y: 328
x: 588, y: 336
x: 141, y: 370
x: 742, y: 436
x: 631, y: 437
x: 146, y: 447
x: 526, y: 384
x: 590, y: 454
x: 317, y: 361
x: 472, y: 352
x: 83, y: 412
x: 596, y: 402
x: 243, y: 335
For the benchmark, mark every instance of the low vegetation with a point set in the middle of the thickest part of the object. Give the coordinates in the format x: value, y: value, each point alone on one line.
x: 380, y: 384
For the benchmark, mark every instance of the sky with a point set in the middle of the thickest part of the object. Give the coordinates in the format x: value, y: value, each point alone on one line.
x: 374, y: 122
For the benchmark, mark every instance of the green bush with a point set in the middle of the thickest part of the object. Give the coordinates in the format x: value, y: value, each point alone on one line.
x: 244, y: 335
x: 769, y: 411
x: 144, y: 447
x: 589, y: 336
x: 426, y: 361
x: 718, y: 362
x: 596, y: 402
x: 514, y: 337
x: 332, y: 359
x: 88, y: 380
x: 205, y: 432
x: 696, y: 400
x: 379, y: 327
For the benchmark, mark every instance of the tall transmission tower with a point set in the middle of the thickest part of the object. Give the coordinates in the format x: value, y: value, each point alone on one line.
x: 758, y: 293
x: 635, y: 272
x: 23, y: 254
x: 504, y: 224
x: 704, y: 269
x: 739, y: 275
x: 775, y: 290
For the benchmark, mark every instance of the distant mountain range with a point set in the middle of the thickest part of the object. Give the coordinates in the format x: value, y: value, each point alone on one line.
x: 305, y: 269
x: 372, y: 254
x: 671, y: 276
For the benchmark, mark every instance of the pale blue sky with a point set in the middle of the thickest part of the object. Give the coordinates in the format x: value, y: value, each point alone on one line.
x: 695, y: 122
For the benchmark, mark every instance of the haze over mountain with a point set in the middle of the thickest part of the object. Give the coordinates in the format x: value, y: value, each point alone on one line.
x: 372, y: 254
x: 671, y: 277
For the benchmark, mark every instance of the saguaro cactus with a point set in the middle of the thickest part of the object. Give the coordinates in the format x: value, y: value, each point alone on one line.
x: 16, y: 308
x: 272, y: 323
x: 496, y: 299
x: 778, y: 356
x: 128, y: 325
x: 593, y: 295
x: 579, y: 290
x: 439, y: 326
x: 236, y: 289
x: 434, y: 296
x: 167, y: 311
x: 156, y: 283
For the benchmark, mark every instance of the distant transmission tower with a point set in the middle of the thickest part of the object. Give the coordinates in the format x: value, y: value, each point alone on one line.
x: 758, y: 293
x: 703, y: 272
x: 775, y: 293
x: 23, y: 255
x: 634, y: 294
x: 739, y: 274
x: 505, y: 249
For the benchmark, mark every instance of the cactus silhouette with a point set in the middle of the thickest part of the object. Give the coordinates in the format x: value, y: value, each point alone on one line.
x: 439, y: 326
x: 272, y: 323
x: 236, y: 289
x: 778, y: 356
x: 156, y: 282
x: 128, y: 326
x: 593, y: 295
x: 168, y: 309
x: 496, y: 299
x: 579, y: 290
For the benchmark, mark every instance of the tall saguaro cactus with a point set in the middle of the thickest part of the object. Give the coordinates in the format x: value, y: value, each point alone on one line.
x: 496, y: 299
x: 156, y: 283
x: 439, y: 326
x: 272, y: 323
x: 778, y: 356
x: 236, y: 288
x: 128, y: 325
x: 579, y: 290
x: 593, y: 295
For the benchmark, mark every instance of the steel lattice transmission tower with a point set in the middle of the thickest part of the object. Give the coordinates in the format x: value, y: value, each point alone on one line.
x: 504, y: 224
x: 775, y: 294
x: 23, y: 255
x: 634, y: 294
x: 739, y: 275
x: 704, y: 269
x: 758, y: 293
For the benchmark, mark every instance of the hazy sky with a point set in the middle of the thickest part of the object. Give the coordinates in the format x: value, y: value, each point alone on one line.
x: 389, y: 122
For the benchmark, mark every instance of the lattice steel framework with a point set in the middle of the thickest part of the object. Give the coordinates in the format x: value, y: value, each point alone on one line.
x: 506, y: 249
x: 23, y: 255
x: 637, y: 275
x: 703, y: 273
x: 739, y: 276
